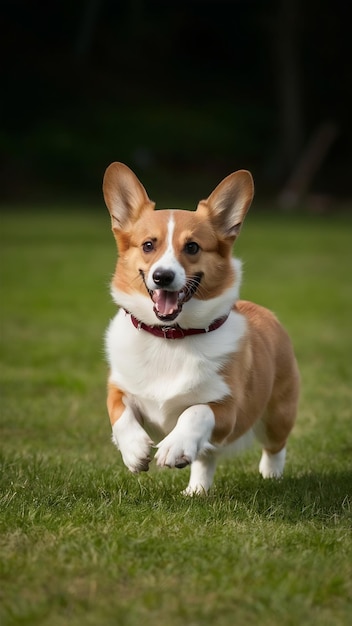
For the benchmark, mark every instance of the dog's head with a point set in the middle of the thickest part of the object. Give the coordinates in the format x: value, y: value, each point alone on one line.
x: 172, y: 261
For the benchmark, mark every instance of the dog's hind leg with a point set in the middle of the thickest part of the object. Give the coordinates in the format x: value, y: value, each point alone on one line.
x: 272, y: 465
x: 273, y: 429
x: 202, y: 474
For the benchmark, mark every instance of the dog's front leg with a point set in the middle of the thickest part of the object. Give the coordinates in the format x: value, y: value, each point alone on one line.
x: 190, y: 437
x: 127, y: 433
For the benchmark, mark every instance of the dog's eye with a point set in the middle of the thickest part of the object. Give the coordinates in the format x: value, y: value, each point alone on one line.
x: 191, y: 247
x: 148, y: 246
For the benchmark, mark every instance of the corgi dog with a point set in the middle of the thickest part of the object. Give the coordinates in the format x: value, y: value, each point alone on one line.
x: 194, y: 371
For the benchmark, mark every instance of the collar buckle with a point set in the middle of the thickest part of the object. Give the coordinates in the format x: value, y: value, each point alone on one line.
x: 172, y: 332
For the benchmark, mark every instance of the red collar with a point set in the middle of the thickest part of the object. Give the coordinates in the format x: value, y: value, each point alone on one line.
x: 176, y: 332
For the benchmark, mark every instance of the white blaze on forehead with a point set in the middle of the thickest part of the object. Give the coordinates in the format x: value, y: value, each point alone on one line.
x: 168, y: 261
x: 168, y: 258
x: 170, y: 233
x: 169, y: 254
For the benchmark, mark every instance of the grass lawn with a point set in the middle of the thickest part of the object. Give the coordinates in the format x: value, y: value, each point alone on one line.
x: 83, y: 541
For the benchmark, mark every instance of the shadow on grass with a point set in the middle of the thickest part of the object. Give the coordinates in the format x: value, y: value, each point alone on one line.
x: 39, y: 485
x: 312, y: 496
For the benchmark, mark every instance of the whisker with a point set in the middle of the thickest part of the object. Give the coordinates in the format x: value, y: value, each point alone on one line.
x: 193, y: 282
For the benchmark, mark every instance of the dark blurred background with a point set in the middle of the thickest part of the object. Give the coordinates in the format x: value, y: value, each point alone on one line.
x: 183, y: 91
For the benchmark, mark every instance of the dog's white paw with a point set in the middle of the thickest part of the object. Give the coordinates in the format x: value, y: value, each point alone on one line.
x: 198, y: 490
x: 133, y: 442
x: 272, y: 465
x: 174, y: 451
x: 201, y: 476
x: 188, y: 439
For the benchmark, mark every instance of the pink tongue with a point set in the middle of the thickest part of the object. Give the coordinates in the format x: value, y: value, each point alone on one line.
x: 165, y: 301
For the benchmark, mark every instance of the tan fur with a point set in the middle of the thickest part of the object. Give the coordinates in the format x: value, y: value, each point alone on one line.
x: 114, y: 403
x: 263, y: 373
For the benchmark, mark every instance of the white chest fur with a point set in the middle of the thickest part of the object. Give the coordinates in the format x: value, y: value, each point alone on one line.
x: 162, y: 377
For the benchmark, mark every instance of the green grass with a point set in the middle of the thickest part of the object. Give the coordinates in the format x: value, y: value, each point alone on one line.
x: 85, y: 542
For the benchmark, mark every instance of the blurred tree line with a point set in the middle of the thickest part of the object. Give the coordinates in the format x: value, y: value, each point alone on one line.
x: 184, y: 91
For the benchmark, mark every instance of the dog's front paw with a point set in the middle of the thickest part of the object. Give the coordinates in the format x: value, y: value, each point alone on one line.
x: 133, y: 443
x: 174, y: 451
x: 188, y: 439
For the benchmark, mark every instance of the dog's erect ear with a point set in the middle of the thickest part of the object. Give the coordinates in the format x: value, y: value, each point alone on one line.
x: 228, y: 204
x: 124, y: 195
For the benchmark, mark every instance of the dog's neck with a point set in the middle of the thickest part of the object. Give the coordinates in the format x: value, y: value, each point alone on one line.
x: 175, y: 332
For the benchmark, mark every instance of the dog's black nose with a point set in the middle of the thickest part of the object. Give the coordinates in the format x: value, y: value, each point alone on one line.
x: 163, y: 278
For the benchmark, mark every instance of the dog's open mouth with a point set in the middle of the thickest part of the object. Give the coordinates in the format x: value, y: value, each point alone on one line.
x: 168, y: 304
